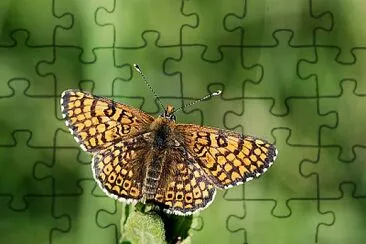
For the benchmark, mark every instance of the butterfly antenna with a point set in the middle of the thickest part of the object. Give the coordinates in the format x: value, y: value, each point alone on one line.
x: 148, y: 84
x: 216, y: 93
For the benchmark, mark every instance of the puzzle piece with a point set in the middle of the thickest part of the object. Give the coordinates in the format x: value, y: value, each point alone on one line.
x: 274, y: 184
x: 30, y: 16
x: 18, y: 158
x: 329, y: 79
x: 285, y: 70
x: 198, y: 78
x: 84, y: 27
x: 4, y: 9
x: 337, y: 171
x: 69, y: 58
x: 262, y: 18
x: 252, y: 109
x: 112, y: 220
x: 18, y: 62
x: 36, y: 114
x: 197, y: 223
x: 256, y: 120
x: 349, y: 131
x: 67, y: 168
x: 258, y: 222
x: 202, y: 35
x: 347, y: 217
x: 130, y: 28
x: 197, y: 74
x: 151, y: 60
x: 202, y: 114
x: 342, y: 27
x: 84, y: 227
x: 216, y: 220
x: 33, y: 223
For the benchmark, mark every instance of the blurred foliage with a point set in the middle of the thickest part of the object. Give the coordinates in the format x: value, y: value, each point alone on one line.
x: 276, y: 85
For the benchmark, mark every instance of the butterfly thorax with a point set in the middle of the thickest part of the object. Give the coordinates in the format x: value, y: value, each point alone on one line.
x: 161, y: 132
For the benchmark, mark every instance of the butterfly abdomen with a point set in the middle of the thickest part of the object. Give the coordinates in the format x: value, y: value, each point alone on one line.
x: 153, y: 175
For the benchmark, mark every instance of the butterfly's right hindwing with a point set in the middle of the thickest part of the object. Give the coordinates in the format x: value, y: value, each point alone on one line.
x: 120, y: 169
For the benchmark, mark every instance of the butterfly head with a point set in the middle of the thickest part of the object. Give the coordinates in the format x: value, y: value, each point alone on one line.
x: 169, y: 113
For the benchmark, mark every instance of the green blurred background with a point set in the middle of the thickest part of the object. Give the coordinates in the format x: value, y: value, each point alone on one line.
x: 292, y: 72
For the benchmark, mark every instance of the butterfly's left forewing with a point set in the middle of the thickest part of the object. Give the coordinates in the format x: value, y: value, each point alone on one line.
x: 228, y: 158
x: 98, y: 122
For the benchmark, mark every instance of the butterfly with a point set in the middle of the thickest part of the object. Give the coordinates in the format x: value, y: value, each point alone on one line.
x: 178, y: 167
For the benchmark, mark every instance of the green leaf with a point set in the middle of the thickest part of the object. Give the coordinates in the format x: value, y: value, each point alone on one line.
x: 144, y: 228
x: 149, y: 224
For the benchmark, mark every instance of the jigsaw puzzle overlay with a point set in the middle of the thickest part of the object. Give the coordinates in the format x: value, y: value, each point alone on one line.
x: 291, y: 72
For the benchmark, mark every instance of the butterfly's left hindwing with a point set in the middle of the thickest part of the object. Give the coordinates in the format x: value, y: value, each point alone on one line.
x: 184, y: 187
x: 97, y: 122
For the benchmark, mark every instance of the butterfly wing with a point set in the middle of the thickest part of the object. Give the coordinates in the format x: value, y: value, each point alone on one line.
x: 184, y: 187
x: 96, y: 122
x: 120, y: 169
x: 226, y: 157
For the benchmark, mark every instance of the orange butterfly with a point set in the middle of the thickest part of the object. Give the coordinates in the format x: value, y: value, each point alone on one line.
x: 137, y: 157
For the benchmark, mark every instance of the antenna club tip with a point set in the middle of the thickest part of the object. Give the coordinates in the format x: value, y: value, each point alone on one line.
x: 137, y: 67
x: 216, y: 93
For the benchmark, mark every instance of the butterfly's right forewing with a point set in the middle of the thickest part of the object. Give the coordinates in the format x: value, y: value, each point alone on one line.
x: 97, y: 122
